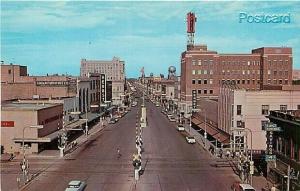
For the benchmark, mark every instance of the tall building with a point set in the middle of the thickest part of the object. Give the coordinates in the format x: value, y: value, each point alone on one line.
x: 115, y: 75
x: 204, y: 71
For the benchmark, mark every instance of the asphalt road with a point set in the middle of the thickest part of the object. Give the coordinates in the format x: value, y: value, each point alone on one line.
x: 170, y: 163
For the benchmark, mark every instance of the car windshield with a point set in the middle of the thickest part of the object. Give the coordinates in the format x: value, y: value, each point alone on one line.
x: 191, y: 137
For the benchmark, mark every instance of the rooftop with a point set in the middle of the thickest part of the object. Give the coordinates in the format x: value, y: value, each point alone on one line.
x: 27, y: 106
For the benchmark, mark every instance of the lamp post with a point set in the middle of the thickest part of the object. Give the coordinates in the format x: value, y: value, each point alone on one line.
x: 24, y: 165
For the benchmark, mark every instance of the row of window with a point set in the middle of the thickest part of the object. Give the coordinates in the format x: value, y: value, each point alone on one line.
x: 277, y: 61
x: 280, y: 73
x: 264, y: 109
x: 204, y: 81
x: 203, y: 62
x: 194, y: 72
x: 205, y: 91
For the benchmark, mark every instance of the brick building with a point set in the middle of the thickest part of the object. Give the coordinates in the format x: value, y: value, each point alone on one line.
x: 204, y: 70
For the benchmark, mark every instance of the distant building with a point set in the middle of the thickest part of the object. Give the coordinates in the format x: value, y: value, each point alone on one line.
x: 115, y: 75
x: 240, y: 109
x: 203, y: 71
x: 17, y: 116
x: 296, y: 74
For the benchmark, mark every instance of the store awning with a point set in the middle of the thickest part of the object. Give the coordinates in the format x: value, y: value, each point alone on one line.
x: 75, y: 124
x: 212, y: 131
x: 46, y: 139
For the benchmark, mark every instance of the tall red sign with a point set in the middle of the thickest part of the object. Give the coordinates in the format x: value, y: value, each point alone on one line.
x: 191, y: 20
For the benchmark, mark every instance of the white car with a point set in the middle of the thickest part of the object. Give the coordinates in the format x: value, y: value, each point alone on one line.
x: 76, y: 185
x: 157, y: 105
x: 242, y: 187
x: 190, y: 140
x: 180, y: 128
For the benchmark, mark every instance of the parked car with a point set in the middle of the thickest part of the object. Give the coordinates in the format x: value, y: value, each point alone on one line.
x: 241, y: 187
x: 172, y: 119
x: 190, y: 140
x: 112, y: 120
x: 169, y: 115
x: 157, y: 105
x: 76, y: 185
x: 180, y: 127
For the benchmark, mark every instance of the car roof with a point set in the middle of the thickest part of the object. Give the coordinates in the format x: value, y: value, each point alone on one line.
x: 75, y: 182
x: 246, y: 186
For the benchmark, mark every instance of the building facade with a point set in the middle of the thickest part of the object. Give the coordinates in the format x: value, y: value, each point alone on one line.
x: 17, y: 118
x: 241, y: 111
x: 204, y: 71
x: 115, y: 74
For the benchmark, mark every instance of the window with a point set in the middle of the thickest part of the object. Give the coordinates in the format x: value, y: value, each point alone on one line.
x: 199, y: 81
x: 243, y: 72
x: 9, y: 71
x: 210, y: 61
x: 239, y: 124
x: 193, y: 81
x: 193, y: 62
x: 286, y: 81
x: 211, y: 91
x: 269, y: 72
x: 283, y: 107
x: 249, y: 63
x: 269, y: 81
x: 298, y: 106
x: 263, y: 124
x: 238, y: 81
x: 265, y: 109
x: 193, y: 72
x: 239, y: 109
x: 280, y: 81
x: 211, y: 72
x: 205, y: 91
x: 199, y: 71
x: 205, y: 72
x: 199, y: 91
x: 199, y: 62
x: 205, y: 81
x: 210, y: 81
x: 243, y: 81
x: 275, y: 73
x: 286, y: 73
x: 248, y: 72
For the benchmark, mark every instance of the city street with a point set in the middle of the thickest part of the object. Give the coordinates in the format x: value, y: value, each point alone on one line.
x: 170, y: 163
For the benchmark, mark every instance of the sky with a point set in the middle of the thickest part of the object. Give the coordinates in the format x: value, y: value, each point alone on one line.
x: 53, y: 36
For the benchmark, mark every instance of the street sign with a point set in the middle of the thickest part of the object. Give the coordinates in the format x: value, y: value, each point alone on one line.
x: 273, y: 129
x: 270, y: 158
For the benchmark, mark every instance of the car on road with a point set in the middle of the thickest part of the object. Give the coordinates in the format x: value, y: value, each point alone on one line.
x: 157, y: 105
x: 172, y: 119
x: 113, y: 120
x: 169, y: 115
x: 180, y: 127
x: 241, y: 187
x: 76, y: 185
x: 190, y: 139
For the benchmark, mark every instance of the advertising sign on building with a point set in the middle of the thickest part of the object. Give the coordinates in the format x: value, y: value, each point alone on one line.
x: 194, y: 99
x: 7, y: 123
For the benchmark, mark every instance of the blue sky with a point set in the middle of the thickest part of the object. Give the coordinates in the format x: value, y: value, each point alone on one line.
x: 52, y: 37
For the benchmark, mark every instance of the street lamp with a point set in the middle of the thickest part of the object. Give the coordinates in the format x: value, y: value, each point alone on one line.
x: 23, y: 148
